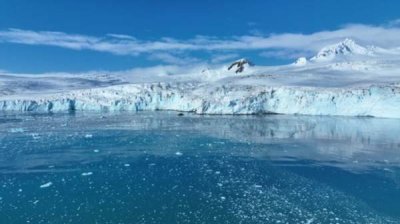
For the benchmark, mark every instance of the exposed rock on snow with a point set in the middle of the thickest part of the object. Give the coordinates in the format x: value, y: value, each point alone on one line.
x: 240, y: 65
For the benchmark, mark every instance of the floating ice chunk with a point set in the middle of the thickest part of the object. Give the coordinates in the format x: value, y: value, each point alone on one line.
x: 17, y: 130
x: 46, y: 185
x: 178, y: 153
x: 388, y: 170
x: 88, y: 136
x: 309, y: 221
x: 87, y: 174
x: 35, y: 136
x: 127, y: 165
x: 96, y: 150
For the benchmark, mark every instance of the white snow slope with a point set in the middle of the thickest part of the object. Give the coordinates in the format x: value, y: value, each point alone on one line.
x: 342, y: 79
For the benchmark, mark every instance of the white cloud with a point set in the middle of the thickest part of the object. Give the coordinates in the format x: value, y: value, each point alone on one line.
x: 121, y: 36
x: 224, y: 57
x: 172, y: 59
x: 394, y: 23
x: 120, y: 44
x: 285, y: 54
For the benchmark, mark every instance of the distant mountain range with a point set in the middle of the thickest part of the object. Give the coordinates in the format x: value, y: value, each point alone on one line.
x: 341, y: 79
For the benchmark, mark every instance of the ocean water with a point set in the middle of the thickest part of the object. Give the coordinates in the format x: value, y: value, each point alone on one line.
x: 157, y: 167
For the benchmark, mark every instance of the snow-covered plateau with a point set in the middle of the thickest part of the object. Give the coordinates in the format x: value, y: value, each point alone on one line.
x: 342, y: 79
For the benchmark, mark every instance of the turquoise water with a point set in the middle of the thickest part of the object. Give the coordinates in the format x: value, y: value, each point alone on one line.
x: 157, y: 167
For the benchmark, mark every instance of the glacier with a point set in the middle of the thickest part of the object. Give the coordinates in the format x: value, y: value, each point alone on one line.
x: 378, y: 101
x: 345, y: 79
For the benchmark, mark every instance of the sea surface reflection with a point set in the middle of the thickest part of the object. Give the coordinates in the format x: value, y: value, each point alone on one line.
x: 157, y: 167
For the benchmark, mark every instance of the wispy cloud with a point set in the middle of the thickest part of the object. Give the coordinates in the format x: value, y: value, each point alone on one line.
x: 173, y: 59
x: 285, y: 54
x: 110, y: 43
x: 224, y: 57
x: 120, y: 44
x: 121, y: 36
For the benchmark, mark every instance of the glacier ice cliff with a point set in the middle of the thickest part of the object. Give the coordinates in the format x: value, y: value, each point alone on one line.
x: 378, y: 101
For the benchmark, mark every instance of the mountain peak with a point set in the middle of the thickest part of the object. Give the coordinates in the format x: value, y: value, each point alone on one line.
x: 345, y: 47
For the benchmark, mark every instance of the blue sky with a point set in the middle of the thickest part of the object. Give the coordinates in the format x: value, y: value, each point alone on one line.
x: 75, y: 36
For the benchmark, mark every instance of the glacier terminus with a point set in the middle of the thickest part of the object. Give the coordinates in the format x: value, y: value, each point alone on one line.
x: 344, y: 79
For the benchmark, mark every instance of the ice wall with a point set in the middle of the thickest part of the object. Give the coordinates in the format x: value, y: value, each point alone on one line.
x: 378, y: 101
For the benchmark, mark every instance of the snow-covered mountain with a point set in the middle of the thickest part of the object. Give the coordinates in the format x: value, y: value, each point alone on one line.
x: 346, y: 47
x: 342, y: 79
